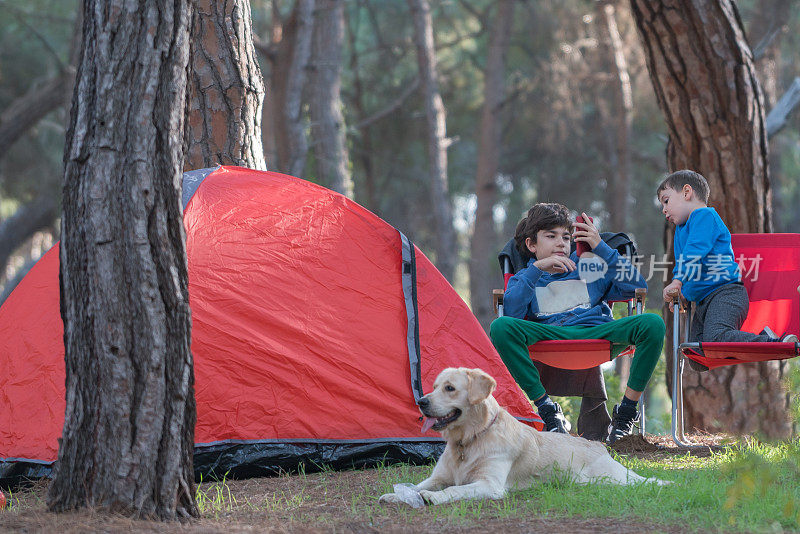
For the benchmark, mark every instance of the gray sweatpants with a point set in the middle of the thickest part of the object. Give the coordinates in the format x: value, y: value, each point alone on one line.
x: 720, y: 315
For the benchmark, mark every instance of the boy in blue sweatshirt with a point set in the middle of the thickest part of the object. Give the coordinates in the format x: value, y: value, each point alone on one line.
x: 564, y: 297
x: 706, y: 271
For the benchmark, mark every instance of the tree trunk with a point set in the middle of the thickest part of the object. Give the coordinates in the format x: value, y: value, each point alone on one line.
x: 483, y: 246
x: 327, y: 122
x: 365, y: 155
x: 130, y: 413
x: 702, y: 71
x: 290, y: 52
x: 226, y: 89
x: 437, y: 137
x: 622, y: 121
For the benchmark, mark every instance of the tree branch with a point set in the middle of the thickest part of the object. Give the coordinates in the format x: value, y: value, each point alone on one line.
x: 776, y: 119
x: 392, y: 106
x: 24, y: 112
x: 29, y: 219
x: 268, y: 50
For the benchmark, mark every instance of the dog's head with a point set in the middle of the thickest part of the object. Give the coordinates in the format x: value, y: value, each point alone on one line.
x: 454, y: 392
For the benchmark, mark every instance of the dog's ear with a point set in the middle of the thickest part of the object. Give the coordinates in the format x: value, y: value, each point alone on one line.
x: 480, y: 385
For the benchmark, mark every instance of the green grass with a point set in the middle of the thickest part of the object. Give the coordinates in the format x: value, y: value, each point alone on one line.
x: 752, y: 488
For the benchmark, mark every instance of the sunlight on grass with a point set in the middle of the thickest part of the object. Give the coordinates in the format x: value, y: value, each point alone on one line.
x: 215, y: 497
x: 750, y: 487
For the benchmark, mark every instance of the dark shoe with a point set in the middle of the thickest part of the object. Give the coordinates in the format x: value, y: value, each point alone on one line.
x: 622, y: 422
x: 554, y: 420
x: 768, y: 332
x: 783, y: 338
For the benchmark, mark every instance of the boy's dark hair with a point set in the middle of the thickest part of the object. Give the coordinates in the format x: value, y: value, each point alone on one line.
x: 678, y: 179
x: 542, y: 216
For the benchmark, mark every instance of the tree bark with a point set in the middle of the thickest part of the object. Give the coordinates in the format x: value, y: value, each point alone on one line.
x: 437, y: 137
x: 702, y: 71
x: 327, y: 121
x: 483, y: 245
x: 130, y: 413
x: 226, y: 89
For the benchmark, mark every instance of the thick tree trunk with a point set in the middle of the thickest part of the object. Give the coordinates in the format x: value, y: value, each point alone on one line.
x: 483, y: 245
x: 437, y: 137
x: 327, y: 121
x: 704, y: 79
x: 130, y: 413
x: 226, y: 90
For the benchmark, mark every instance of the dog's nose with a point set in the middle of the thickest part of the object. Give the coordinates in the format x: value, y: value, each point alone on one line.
x: 423, y: 402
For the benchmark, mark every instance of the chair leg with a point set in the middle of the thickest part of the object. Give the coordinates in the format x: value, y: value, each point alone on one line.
x: 677, y: 385
x: 642, y: 406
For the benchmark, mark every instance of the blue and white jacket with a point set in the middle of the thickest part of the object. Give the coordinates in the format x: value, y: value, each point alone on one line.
x: 576, y: 298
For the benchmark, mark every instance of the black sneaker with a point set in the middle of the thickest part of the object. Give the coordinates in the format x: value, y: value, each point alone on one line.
x: 622, y: 422
x: 783, y: 338
x: 554, y: 420
x: 769, y: 333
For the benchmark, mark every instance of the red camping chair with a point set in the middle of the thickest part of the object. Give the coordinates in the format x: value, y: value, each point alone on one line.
x: 583, y: 353
x: 770, y: 267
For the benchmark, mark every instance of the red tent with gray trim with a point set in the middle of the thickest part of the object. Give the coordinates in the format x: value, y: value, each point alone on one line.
x: 316, y: 326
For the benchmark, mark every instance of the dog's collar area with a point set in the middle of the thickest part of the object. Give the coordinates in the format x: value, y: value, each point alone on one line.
x: 461, y: 445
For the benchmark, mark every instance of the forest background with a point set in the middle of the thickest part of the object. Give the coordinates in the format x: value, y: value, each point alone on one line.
x: 574, y: 107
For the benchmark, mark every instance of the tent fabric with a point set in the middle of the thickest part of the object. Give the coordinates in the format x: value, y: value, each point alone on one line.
x: 770, y: 267
x: 300, y: 335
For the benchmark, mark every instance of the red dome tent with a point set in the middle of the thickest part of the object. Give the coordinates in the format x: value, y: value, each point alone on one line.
x: 316, y: 325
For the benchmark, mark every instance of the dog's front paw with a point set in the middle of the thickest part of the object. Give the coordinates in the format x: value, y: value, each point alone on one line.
x: 431, y: 497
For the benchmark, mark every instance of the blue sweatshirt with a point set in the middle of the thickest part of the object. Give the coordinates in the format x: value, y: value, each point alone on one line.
x: 576, y: 298
x: 704, y: 257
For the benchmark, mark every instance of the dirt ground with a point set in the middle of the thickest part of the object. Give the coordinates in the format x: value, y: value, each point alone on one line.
x: 324, y: 502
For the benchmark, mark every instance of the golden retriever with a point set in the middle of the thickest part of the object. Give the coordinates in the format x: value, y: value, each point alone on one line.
x: 488, y: 451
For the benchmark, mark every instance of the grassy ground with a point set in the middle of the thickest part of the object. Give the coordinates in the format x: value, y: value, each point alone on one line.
x: 748, y: 487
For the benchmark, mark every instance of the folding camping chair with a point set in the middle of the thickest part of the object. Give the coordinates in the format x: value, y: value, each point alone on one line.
x: 572, y: 367
x: 770, y: 268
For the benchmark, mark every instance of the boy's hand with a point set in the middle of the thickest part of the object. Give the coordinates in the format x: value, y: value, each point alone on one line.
x: 673, y: 291
x: 587, y: 232
x: 559, y: 264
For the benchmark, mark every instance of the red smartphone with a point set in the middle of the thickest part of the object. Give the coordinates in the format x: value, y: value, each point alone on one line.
x: 581, y: 246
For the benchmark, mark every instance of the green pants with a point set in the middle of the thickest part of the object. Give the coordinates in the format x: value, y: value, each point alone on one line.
x: 511, y: 338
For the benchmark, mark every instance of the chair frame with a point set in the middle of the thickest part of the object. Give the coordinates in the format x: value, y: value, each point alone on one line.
x: 678, y: 427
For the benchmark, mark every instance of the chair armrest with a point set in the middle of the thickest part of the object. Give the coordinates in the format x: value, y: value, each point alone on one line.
x: 497, y: 299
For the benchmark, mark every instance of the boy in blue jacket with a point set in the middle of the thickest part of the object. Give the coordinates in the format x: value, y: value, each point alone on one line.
x: 564, y: 297
x: 706, y: 271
